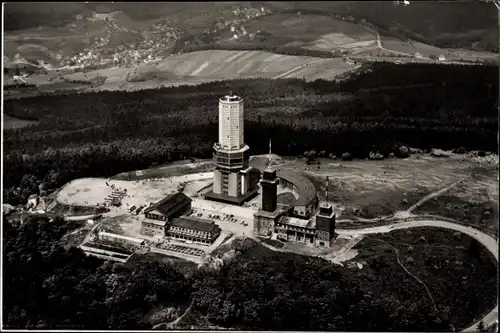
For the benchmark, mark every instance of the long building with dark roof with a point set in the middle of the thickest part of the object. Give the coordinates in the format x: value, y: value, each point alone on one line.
x: 168, y: 218
x: 171, y: 206
x: 193, y: 229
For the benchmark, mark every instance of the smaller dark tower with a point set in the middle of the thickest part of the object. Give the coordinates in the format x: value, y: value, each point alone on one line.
x: 325, y: 225
x: 269, y: 184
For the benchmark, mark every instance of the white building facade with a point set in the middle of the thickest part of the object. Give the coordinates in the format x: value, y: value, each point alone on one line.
x: 230, y: 153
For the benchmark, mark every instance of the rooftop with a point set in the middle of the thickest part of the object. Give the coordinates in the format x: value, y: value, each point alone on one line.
x: 161, y: 223
x: 326, y: 209
x: 133, y: 239
x: 231, y: 99
x: 301, y: 223
x: 306, y: 189
x: 194, y: 223
x: 278, y: 211
x: 169, y: 204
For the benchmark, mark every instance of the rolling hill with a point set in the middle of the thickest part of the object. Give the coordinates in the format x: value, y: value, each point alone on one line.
x: 283, y: 43
x: 315, y: 32
x: 460, y: 24
x: 210, y: 65
x: 467, y: 24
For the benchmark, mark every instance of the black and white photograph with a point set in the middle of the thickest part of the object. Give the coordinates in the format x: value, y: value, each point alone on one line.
x: 326, y: 166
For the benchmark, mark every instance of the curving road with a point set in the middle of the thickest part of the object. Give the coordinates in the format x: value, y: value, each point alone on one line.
x: 487, y: 241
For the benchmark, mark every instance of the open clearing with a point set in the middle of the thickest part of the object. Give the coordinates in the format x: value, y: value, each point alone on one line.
x: 93, y: 191
x: 381, y: 188
x: 359, y: 190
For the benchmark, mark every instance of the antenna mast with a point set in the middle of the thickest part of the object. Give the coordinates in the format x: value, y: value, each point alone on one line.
x: 269, y: 158
x: 327, y: 183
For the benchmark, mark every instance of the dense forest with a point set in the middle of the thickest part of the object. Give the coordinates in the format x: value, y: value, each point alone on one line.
x: 47, y: 286
x: 203, y: 41
x: 102, y: 134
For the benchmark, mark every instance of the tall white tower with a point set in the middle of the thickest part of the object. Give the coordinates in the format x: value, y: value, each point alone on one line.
x: 231, y: 122
x: 231, y: 176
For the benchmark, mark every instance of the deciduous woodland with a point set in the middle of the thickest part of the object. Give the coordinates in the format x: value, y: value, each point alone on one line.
x: 102, y: 134
x: 47, y: 286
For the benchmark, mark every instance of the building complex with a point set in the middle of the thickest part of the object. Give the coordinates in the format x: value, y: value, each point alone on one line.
x: 304, y: 220
x: 169, y: 217
x: 300, y: 221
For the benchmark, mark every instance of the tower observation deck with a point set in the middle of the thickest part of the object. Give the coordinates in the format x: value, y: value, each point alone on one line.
x: 231, y: 154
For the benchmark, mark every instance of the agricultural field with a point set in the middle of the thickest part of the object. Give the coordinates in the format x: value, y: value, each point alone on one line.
x: 447, y: 24
x: 195, y: 68
x: 314, y: 32
x: 426, y: 50
x: 221, y: 64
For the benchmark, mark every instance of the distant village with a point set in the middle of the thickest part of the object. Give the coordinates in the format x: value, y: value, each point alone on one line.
x: 119, y: 46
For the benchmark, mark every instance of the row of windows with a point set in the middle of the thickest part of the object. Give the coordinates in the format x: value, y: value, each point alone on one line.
x: 156, y: 217
x: 188, y: 231
x: 222, y: 160
x: 179, y: 230
x: 175, y: 236
x: 294, y: 228
x: 153, y: 226
x: 226, y: 106
x: 173, y: 233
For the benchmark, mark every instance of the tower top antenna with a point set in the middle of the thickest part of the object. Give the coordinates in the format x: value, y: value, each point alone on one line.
x: 270, y: 154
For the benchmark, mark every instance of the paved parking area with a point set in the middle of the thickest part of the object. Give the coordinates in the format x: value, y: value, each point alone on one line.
x: 230, y: 224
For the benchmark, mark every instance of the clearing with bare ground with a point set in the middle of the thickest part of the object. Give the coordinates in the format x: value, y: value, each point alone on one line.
x: 372, y: 189
x: 360, y: 190
x: 455, y: 187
